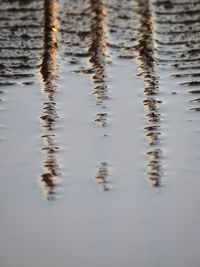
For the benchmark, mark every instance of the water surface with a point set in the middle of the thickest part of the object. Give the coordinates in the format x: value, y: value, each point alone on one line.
x: 99, y: 133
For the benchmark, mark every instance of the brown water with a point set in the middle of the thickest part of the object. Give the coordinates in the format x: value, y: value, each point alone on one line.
x: 99, y: 133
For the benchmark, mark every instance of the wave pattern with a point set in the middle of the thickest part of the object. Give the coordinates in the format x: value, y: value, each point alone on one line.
x: 177, y: 28
x: 20, y: 39
x: 83, y: 35
x: 28, y: 44
x: 74, y: 29
x: 157, y: 34
x: 121, y: 27
x: 83, y: 43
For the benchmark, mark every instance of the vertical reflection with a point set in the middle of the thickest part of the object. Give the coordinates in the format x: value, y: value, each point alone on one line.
x: 48, y: 179
x: 98, y: 60
x: 145, y: 58
x: 154, y: 167
x: 102, y: 176
x: 98, y: 57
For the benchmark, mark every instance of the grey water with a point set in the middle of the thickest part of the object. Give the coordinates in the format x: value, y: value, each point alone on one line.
x: 99, y: 133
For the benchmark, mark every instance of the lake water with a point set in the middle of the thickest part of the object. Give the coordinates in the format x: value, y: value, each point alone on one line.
x: 99, y: 133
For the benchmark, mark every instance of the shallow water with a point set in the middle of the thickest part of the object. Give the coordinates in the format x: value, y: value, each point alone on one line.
x: 99, y: 133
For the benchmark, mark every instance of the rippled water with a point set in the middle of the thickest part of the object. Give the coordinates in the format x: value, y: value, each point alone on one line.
x: 99, y: 133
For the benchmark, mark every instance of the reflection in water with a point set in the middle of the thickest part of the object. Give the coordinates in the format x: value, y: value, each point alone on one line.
x: 98, y: 61
x: 48, y: 179
x: 154, y: 167
x: 101, y: 119
x: 82, y: 39
x: 145, y: 58
x: 98, y: 57
x: 102, y: 176
x: 20, y: 44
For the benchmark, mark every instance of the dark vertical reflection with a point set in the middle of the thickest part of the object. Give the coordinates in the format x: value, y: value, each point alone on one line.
x: 82, y: 25
x: 98, y: 57
x: 102, y: 176
x: 48, y: 179
x: 154, y: 167
x: 146, y: 66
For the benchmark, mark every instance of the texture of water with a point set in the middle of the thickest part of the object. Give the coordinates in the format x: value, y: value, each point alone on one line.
x: 99, y: 133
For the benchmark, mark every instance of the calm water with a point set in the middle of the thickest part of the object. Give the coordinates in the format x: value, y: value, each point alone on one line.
x: 99, y: 133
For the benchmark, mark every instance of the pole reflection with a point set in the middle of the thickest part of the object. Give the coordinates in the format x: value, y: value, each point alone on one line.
x: 98, y: 57
x: 49, y: 177
x: 146, y: 66
x: 102, y: 176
